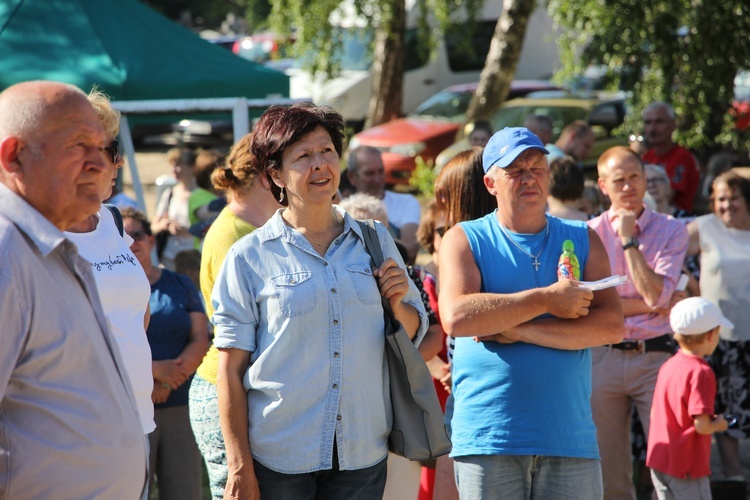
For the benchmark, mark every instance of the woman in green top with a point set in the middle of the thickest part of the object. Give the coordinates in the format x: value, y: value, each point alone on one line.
x: 250, y: 205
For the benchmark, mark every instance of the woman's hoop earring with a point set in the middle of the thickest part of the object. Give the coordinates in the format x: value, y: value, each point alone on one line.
x: 281, y: 195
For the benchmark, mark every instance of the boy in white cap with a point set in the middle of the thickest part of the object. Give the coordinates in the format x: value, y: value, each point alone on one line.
x: 682, y: 413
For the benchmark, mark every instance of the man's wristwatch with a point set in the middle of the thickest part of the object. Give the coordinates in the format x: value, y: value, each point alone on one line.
x: 632, y: 243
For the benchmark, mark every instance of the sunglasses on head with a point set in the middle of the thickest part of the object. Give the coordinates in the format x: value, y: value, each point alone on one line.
x: 114, y: 150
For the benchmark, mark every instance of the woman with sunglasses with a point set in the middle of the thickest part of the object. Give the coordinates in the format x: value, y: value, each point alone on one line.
x: 178, y: 336
x: 121, y: 282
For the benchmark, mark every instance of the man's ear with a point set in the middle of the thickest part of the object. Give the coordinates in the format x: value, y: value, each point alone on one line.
x: 489, y: 183
x: 602, y: 187
x: 10, y: 152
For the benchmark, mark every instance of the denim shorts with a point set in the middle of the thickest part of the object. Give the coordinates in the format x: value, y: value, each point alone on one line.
x: 528, y: 476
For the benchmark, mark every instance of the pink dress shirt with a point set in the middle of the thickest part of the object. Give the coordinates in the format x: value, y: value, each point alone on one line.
x: 663, y: 243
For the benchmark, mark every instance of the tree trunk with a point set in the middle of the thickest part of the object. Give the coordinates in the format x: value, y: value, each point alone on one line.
x: 502, y: 59
x: 388, y: 64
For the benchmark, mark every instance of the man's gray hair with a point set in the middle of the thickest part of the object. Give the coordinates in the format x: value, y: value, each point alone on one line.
x: 660, y: 105
x: 352, y: 166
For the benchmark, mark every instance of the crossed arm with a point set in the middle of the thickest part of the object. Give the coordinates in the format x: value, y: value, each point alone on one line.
x: 508, y: 317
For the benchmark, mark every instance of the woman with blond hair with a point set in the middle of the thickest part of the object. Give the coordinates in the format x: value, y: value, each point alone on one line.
x: 121, y: 283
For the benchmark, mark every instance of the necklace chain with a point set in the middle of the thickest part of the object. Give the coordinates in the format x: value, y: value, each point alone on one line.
x: 338, y: 222
x: 535, y: 258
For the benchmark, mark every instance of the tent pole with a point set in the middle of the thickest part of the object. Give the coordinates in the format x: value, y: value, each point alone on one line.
x: 127, y: 141
x: 240, y: 121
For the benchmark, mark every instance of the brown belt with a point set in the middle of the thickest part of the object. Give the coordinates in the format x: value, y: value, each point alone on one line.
x: 663, y: 343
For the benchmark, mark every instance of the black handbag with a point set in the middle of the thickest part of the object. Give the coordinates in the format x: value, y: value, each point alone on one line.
x: 418, y: 431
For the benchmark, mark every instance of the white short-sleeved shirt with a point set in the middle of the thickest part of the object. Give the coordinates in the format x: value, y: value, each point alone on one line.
x: 402, y: 209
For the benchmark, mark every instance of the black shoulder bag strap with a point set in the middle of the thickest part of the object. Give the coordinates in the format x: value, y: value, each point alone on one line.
x: 118, y: 218
x: 372, y: 244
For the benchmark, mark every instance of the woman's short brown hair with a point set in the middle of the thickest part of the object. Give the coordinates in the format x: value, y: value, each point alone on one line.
x: 280, y: 127
x: 138, y: 216
x: 733, y: 181
x: 206, y: 161
x: 427, y: 226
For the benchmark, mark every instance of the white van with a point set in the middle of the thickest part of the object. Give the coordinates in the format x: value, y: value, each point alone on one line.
x: 350, y: 92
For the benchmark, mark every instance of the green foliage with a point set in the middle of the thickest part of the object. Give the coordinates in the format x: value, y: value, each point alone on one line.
x: 257, y: 13
x: 316, y: 40
x: 204, y: 14
x: 685, y: 52
x: 423, y: 177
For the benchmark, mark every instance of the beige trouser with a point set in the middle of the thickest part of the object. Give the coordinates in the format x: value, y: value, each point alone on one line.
x: 619, y: 380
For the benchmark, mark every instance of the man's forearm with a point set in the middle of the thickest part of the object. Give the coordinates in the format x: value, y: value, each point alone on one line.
x: 603, y: 325
x: 648, y: 283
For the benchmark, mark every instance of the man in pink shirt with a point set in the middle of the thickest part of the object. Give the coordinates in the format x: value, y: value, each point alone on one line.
x: 658, y: 126
x: 649, y: 248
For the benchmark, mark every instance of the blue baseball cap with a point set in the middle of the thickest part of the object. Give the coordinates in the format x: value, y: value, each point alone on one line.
x: 505, y: 146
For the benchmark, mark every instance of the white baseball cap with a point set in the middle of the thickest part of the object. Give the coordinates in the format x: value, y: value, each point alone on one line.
x: 696, y: 315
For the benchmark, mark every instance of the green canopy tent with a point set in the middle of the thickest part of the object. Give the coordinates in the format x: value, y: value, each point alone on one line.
x: 144, y: 61
x: 129, y: 50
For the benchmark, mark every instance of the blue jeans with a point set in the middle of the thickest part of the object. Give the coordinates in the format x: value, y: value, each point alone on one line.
x: 528, y: 477
x: 332, y: 484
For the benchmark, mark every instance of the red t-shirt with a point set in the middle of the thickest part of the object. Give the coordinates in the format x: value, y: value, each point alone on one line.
x: 685, y: 388
x: 682, y: 171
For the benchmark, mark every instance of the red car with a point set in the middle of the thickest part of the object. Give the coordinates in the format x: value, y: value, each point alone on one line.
x: 430, y: 129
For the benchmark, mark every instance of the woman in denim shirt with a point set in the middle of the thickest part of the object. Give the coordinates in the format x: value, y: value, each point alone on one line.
x: 303, y: 396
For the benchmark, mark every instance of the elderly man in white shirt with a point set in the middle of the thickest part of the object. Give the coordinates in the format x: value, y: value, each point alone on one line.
x: 70, y: 421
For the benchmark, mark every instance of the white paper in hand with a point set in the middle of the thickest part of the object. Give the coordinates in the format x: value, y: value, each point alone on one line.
x: 603, y: 283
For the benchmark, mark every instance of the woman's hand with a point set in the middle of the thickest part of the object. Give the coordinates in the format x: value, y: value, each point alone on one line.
x: 170, y: 372
x: 393, y: 282
x: 241, y: 486
x: 160, y: 393
x: 160, y: 224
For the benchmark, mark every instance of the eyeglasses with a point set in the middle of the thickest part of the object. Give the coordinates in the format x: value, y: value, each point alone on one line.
x: 655, y: 181
x: 138, y: 235
x: 114, y: 150
x: 440, y: 231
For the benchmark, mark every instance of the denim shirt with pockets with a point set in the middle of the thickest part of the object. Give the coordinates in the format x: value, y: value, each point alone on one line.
x: 314, y: 328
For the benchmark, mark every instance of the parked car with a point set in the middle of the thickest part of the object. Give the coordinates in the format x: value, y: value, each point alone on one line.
x: 604, y: 112
x: 219, y: 131
x: 430, y: 129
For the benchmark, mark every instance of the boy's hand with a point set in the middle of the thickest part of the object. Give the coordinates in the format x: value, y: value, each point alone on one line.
x: 706, y: 424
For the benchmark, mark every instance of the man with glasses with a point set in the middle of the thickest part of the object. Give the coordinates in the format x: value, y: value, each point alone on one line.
x: 70, y: 421
x: 649, y: 249
x: 522, y: 423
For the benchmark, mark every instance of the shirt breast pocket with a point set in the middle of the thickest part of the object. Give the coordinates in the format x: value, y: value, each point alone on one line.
x: 365, y: 284
x: 295, y: 293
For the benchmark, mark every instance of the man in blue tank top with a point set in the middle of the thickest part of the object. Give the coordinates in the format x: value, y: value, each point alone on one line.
x: 522, y: 424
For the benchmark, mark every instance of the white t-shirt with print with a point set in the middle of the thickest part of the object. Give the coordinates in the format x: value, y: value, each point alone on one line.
x: 124, y: 292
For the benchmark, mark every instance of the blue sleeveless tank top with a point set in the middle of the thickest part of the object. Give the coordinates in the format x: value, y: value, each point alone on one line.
x: 521, y: 399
